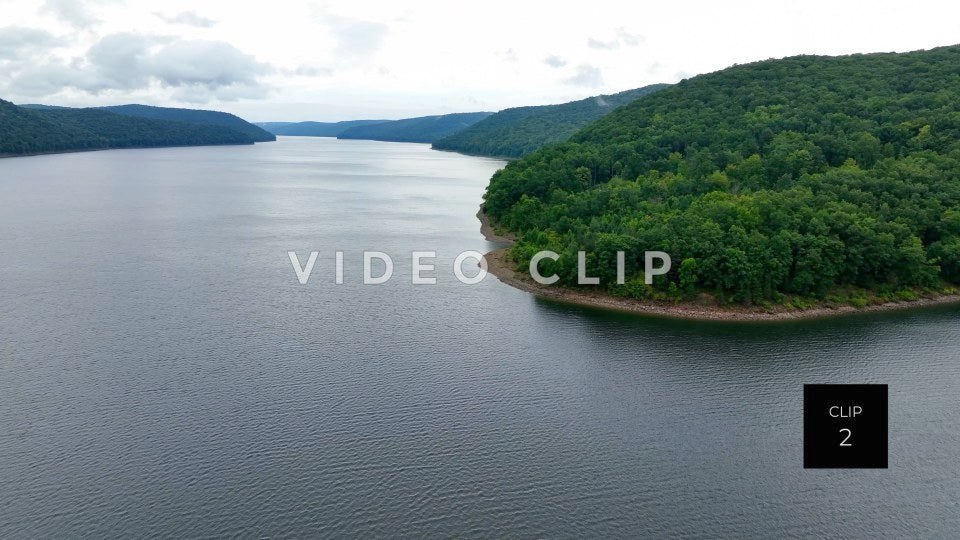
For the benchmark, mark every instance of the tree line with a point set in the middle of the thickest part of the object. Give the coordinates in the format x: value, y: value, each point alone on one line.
x: 520, y: 130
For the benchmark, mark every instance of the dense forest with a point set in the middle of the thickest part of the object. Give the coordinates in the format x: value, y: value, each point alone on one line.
x: 783, y: 181
x: 518, y: 131
x: 32, y: 130
x: 195, y: 116
x: 315, y: 129
x: 424, y: 129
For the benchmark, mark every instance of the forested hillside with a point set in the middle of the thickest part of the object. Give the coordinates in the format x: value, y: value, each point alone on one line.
x: 808, y: 177
x: 315, y: 129
x: 520, y: 130
x: 56, y: 129
x: 195, y: 116
x: 424, y: 129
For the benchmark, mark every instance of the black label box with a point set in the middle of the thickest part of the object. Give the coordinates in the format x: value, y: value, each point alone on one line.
x: 845, y: 426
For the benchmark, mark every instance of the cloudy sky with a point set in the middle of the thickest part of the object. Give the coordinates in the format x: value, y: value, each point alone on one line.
x: 336, y: 60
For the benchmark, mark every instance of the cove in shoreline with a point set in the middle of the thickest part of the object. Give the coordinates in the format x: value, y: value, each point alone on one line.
x: 499, y: 265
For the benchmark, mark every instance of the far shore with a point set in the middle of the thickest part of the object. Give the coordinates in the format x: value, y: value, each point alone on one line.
x: 75, y: 150
x: 473, y: 154
x: 499, y: 265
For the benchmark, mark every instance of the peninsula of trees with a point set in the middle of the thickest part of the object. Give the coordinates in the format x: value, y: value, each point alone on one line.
x: 515, y: 132
x: 795, y: 181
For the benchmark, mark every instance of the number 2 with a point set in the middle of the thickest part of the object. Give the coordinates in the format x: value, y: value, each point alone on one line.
x: 847, y: 438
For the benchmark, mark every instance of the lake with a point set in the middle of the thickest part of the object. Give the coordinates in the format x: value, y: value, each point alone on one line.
x: 163, y: 372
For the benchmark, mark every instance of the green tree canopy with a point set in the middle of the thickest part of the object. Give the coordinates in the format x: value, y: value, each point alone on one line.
x: 800, y: 176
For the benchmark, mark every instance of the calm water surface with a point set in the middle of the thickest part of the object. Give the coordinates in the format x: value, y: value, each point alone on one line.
x: 162, y: 372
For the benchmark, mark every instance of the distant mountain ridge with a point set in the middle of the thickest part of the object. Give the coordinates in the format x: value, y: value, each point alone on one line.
x: 38, y: 129
x: 315, y: 129
x: 508, y: 133
x: 424, y: 129
x: 518, y: 131
x: 189, y: 116
x: 195, y: 116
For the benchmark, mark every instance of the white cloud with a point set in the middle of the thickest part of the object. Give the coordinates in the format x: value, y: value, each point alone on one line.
x: 42, y: 80
x: 355, y: 38
x: 554, y: 61
x: 205, y: 63
x: 629, y: 39
x: 16, y: 41
x: 188, y: 18
x: 620, y: 37
x: 599, y: 44
x: 508, y: 55
x: 201, y: 94
x: 198, y: 70
x: 305, y: 70
x: 337, y: 59
x: 74, y: 12
x: 587, y: 76
x: 119, y: 62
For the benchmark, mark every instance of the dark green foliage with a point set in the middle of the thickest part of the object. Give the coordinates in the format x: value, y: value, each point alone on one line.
x: 56, y: 129
x: 315, y: 129
x: 801, y: 177
x: 195, y: 116
x: 518, y: 131
x: 424, y: 129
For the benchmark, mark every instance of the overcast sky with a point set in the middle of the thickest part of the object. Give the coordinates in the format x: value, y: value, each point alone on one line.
x: 337, y: 60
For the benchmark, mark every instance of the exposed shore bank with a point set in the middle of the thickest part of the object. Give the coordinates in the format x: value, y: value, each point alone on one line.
x: 500, y: 266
